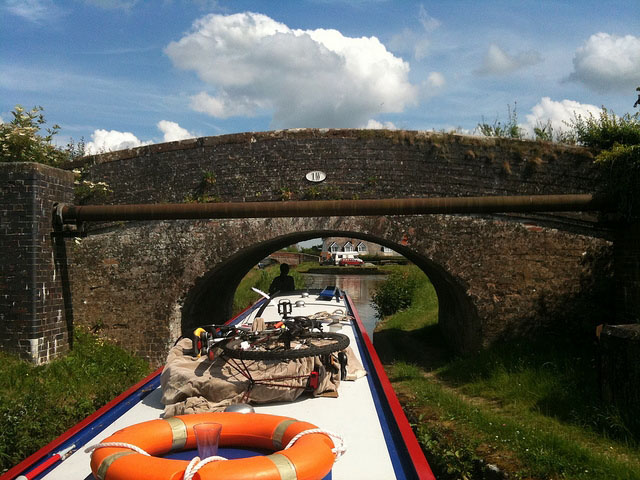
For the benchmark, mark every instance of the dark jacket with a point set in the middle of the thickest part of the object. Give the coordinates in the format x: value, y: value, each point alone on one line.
x: 282, y: 283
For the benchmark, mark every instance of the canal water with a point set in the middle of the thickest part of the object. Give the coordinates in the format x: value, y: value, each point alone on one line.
x: 359, y: 287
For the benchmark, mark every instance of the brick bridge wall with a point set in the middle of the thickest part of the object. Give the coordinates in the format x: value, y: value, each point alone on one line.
x: 35, y: 314
x: 358, y: 163
x: 142, y: 284
x: 496, y: 277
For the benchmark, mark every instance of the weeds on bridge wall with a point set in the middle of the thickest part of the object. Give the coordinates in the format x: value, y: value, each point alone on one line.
x: 322, y: 192
x: 206, y: 191
x: 87, y: 191
x: 617, y: 138
x: 510, y: 129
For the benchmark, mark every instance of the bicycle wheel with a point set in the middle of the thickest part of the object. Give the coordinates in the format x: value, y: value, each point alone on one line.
x: 272, y: 347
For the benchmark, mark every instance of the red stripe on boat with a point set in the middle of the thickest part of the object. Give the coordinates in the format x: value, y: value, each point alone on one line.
x: 415, y: 451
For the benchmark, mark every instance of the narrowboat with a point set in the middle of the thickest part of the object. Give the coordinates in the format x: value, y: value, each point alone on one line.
x: 358, y: 431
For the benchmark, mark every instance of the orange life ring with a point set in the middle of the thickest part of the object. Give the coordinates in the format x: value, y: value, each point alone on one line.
x: 310, y: 458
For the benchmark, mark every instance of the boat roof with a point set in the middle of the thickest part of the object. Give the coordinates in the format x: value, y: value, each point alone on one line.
x: 366, y: 413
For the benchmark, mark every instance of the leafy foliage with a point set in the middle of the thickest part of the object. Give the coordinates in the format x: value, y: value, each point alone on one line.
x: 21, y: 139
x: 312, y: 250
x: 395, y: 293
x: 622, y: 180
x: 606, y: 130
x: 618, y: 139
x: 87, y: 191
x: 207, y: 190
x: 38, y: 403
x: 546, y: 133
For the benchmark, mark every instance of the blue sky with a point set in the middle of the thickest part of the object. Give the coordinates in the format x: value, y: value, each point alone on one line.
x: 123, y: 73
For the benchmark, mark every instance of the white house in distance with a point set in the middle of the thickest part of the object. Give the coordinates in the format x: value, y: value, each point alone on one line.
x: 335, y: 248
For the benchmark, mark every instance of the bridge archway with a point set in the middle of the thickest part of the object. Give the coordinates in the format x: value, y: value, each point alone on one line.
x: 211, y: 298
x: 495, y: 278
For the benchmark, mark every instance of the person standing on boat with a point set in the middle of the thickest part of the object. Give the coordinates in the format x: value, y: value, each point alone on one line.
x: 283, y: 282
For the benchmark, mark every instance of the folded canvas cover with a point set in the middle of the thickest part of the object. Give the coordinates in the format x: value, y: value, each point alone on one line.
x: 196, y: 385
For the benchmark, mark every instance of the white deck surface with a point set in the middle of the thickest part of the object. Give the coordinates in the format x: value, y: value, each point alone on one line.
x: 352, y: 415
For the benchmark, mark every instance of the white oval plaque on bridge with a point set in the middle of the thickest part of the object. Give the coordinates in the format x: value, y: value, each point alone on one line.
x: 316, y: 176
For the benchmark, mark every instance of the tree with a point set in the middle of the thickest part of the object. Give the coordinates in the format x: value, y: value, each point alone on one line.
x: 21, y: 139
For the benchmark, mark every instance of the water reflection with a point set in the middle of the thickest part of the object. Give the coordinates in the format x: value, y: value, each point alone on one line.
x: 359, y: 287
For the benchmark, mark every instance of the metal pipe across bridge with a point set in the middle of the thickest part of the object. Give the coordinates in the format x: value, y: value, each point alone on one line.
x: 328, y: 208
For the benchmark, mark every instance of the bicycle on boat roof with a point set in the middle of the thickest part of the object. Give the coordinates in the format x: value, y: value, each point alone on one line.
x: 289, y: 338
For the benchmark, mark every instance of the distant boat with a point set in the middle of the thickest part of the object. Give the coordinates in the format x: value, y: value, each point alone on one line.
x: 366, y: 414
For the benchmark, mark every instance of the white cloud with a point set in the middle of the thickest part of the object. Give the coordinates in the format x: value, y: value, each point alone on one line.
x: 558, y: 113
x: 427, y: 21
x: 416, y: 43
x: 435, y: 81
x: 411, y: 42
x: 608, y: 62
x: 113, y: 140
x: 433, y: 85
x: 376, y: 125
x: 172, y: 131
x: 498, y: 62
x: 305, y: 78
x: 35, y: 11
x: 225, y: 105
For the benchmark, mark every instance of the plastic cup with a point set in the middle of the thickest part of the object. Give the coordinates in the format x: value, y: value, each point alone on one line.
x: 207, y: 437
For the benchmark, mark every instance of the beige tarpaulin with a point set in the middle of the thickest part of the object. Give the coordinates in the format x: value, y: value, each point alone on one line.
x: 195, y: 385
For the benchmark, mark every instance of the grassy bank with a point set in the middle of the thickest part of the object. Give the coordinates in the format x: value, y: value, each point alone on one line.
x: 38, y: 403
x: 531, y: 410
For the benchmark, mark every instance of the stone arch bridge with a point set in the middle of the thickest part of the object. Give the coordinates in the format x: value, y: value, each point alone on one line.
x: 497, y: 276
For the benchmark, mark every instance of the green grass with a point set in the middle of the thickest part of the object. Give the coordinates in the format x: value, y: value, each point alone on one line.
x: 532, y: 408
x: 38, y: 403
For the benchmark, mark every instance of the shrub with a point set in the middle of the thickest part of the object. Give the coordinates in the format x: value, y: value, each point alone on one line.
x: 606, y: 130
x: 622, y: 178
x: 394, y: 294
x: 618, y: 139
x: 21, y: 141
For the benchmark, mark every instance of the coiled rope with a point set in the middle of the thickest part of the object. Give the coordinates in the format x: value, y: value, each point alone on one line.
x: 338, y: 451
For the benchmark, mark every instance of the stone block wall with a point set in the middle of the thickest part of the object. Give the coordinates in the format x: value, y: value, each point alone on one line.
x: 135, y: 280
x: 514, y: 285
x: 143, y: 283
x: 33, y: 281
x: 358, y: 164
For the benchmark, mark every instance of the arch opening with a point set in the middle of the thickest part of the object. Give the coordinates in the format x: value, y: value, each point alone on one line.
x: 210, y: 299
